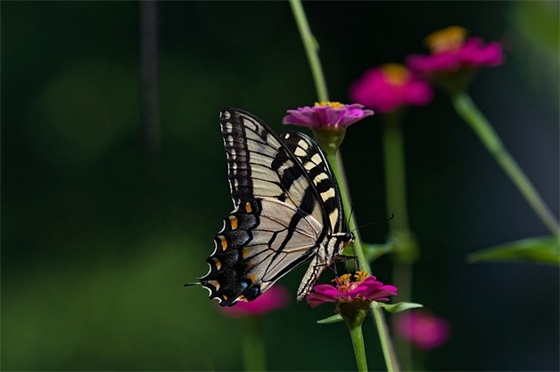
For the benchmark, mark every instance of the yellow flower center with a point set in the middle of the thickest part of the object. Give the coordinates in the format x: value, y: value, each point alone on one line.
x: 344, y: 282
x: 360, y: 276
x: 446, y: 40
x: 396, y: 73
x: 334, y: 105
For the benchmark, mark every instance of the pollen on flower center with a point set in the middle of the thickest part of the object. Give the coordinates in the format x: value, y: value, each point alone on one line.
x: 396, y: 73
x: 334, y: 105
x: 344, y: 283
x: 446, y: 40
x: 361, y: 276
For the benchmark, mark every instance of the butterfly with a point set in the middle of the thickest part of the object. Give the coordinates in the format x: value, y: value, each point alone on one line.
x: 287, y: 211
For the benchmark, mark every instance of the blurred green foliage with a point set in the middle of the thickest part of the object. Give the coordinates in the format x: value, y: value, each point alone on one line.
x: 99, y: 236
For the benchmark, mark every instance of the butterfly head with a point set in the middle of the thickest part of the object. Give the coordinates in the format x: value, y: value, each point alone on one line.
x: 348, y: 238
x: 344, y: 238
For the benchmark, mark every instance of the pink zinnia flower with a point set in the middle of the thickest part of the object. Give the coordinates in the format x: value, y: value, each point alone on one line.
x: 364, y: 288
x: 276, y: 297
x: 423, y: 329
x: 389, y: 87
x: 453, y: 53
x: 326, y: 114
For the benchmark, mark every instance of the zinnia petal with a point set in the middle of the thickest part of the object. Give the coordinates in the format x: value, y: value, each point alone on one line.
x: 471, y: 54
x: 368, y: 289
x: 326, y: 114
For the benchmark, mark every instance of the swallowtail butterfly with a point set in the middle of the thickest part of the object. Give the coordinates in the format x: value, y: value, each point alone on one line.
x: 287, y: 211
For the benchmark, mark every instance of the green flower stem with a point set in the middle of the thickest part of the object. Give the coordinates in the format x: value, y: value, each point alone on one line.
x: 395, y: 190
x: 311, y: 49
x: 359, y: 349
x: 470, y: 113
x: 386, y: 346
x: 395, y: 174
x: 388, y: 352
x: 254, y: 354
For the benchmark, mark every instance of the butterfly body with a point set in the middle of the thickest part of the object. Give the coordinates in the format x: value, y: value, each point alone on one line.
x: 287, y: 211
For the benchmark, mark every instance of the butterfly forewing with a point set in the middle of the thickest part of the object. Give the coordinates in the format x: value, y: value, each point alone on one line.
x: 286, y: 208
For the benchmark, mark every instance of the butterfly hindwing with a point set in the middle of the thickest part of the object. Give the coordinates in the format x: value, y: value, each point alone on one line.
x: 284, y: 212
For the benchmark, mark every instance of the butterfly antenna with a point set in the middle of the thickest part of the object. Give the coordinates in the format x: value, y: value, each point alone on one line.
x: 375, y: 222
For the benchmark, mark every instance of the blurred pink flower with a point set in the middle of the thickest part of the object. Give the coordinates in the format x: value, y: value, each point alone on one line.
x: 453, y: 53
x: 326, y: 114
x: 389, y: 87
x: 276, y: 297
x: 423, y: 329
x: 363, y: 288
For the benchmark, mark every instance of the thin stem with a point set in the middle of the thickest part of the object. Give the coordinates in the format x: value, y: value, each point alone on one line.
x: 480, y: 125
x: 402, y: 279
x: 311, y: 49
x: 395, y: 190
x: 386, y: 346
x: 254, y: 355
x: 359, y: 349
x: 388, y: 352
x: 395, y: 171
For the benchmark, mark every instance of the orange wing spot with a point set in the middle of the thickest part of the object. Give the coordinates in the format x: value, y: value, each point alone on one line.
x: 242, y: 298
x: 223, y: 241
x: 246, y: 252
x: 224, y: 297
x: 252, y: 278
x: 217, y: 263
x: 248, y: 207
x: 233, y: 221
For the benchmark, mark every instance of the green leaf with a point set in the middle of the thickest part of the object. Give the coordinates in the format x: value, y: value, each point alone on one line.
x: 400, y: 306
x: 331, y: 319
x: 543, y: 249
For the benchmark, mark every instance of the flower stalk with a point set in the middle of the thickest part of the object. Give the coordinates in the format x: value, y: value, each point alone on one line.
x: 395, y: 170
x: 356, y: 333
x: 399, y: 231
x: 358, y: 344
x: 386, y: 345
x: 466, y: 108
x: 311, y: 50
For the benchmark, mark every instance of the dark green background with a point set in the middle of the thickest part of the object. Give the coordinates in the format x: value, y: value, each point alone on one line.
x: 98, y: 237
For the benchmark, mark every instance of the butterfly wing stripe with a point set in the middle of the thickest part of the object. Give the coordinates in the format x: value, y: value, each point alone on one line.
x: 291, y: 245
x: 266, y: 262
x: 320, y: 175
x: 258, y: 144
x: 251, y: 148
